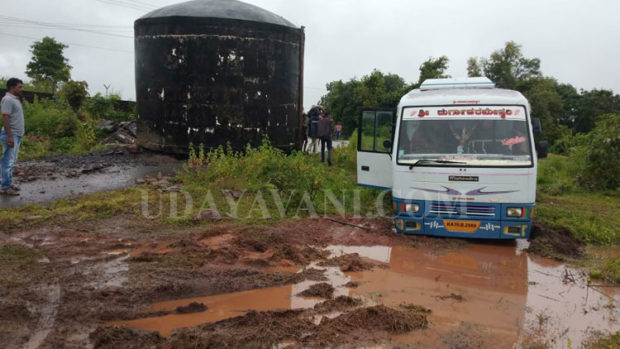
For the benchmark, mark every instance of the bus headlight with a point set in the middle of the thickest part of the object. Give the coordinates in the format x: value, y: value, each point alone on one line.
x: 412, y: 207
x: 514, y: 211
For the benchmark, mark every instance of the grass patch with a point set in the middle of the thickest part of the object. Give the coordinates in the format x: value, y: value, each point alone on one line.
x: 600, y: 340
x: 592, y: 217
x: 564, y: 203
x: 604, y: 268
x: 78, y: 208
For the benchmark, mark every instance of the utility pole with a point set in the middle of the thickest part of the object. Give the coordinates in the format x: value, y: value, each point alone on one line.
x: 106, y: 89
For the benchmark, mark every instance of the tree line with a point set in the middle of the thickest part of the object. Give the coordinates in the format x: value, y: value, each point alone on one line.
x: 563, y: 110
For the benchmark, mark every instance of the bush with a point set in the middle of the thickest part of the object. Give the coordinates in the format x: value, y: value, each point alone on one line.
x: 100, y: 107
x: 602, y: 161
x: 33, y: 149
x: 48, y: 117
x: 559, y: 174
x: 262, y: 168
x: 85, y: 137
x: 591, y: 160
x: 569, y: 143
x: 346, y: 157
x: 74, y: 92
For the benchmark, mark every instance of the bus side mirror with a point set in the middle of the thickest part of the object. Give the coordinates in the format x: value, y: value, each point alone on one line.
x: 387, y: 144
x: 542, y: 148
x: 536, y: 126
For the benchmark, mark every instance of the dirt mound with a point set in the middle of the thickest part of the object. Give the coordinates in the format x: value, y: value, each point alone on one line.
x: 123, y: 337
x: 352, y: 284
x: 254, y: 330
x: 193, y: 307
x: 14, y: 311
x: 378, y: 317
x: 363, y: 324
x: 340, y: 303
x: 348, y: 262
x: 323, y: 290
x: 557, y: 243
x: 311, y: 274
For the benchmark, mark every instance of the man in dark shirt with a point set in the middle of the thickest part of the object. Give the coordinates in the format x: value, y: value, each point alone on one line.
x: 325, y: 134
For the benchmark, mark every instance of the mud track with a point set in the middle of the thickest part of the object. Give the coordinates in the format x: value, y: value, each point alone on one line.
x: 122, y: 282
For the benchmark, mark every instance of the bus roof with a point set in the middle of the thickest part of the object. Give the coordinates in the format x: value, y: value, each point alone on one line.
x: 463, y: 96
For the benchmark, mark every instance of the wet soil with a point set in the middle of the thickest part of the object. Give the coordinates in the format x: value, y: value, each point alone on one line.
x: 340, y: 303
x: 122, y: 282
x: 349, y: 262
x: 323, y: 290
x: 556, y: 243
x: 61, y: 176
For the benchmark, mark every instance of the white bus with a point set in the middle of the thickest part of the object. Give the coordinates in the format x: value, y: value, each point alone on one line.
x: 459, y: 157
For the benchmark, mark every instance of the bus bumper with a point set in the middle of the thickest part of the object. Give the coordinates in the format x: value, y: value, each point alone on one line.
x: 463, y: 228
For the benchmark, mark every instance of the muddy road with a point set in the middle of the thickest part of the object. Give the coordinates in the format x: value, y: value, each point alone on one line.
x: 61, y: 176
x: 126, y: 283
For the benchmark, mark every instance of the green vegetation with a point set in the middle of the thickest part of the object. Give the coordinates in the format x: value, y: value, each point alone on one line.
x: 289, y: 185
x: 580, y: 191
x: 52, y: 127
x: 48, y: 65
x: 68, y: 122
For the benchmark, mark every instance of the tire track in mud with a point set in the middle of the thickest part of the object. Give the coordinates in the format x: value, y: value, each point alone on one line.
x: 48, y: 312
x: 47, y: 319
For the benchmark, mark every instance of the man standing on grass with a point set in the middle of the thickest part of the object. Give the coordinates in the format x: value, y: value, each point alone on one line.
x: 12, y: 133
x: 325, y: 134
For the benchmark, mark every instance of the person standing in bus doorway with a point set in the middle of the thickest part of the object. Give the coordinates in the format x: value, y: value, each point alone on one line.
x: 11, y: 134
x: 325, y: 134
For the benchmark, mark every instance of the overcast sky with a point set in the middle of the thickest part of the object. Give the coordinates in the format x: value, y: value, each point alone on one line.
x: 577, y: 41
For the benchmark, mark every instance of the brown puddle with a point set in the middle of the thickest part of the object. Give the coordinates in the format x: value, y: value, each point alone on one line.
x: 495, y: 288
x: 224, y: 306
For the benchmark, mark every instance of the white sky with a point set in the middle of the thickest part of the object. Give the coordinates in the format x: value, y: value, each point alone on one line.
x: 578, y: 42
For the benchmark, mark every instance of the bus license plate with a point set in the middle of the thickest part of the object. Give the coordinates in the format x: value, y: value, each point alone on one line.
x: 461, y: 226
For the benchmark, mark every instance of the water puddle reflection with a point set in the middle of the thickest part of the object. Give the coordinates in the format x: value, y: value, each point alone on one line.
x: 496, y: 287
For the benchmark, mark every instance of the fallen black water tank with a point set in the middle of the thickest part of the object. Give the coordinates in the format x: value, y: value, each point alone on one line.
x: 217, y: 71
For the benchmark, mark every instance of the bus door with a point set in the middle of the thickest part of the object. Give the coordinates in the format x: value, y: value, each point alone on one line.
x: 375, y: 137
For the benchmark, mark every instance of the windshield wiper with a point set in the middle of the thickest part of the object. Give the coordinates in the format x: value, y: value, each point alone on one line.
x: 430, y: 161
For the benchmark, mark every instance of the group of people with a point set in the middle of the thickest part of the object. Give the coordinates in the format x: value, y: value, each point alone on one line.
x: 319, y: 125
x: 11, y: 134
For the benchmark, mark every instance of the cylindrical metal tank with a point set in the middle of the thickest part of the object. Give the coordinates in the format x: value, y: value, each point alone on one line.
x: 217, y: 71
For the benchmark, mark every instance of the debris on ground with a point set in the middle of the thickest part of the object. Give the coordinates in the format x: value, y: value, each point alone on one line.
x: 122, y: 135
x: 73, y: 166
x: 323, y: 290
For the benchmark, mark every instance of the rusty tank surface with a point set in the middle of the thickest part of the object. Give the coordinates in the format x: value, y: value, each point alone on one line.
x: 214, y: 72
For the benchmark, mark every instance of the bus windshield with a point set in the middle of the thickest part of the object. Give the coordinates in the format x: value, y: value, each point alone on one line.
x: 494, y: 141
